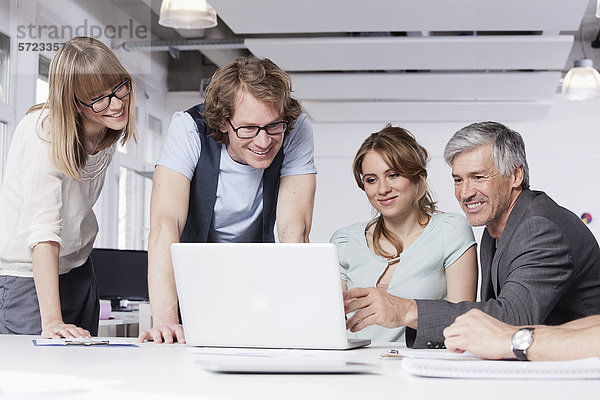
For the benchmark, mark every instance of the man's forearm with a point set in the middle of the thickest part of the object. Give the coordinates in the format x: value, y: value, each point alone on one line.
x: 161, y: 281
x: 295, y: 208
x: 409, y: 312
x: 556, y: 343
x: 433, y: 316
x: 295, y: 232
x: 586, y: 322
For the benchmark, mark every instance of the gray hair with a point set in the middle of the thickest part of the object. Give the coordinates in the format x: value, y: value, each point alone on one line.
x: 508, y: 147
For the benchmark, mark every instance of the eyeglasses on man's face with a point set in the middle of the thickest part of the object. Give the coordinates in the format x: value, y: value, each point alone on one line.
x: 103, y: 102
x: 249, y: 132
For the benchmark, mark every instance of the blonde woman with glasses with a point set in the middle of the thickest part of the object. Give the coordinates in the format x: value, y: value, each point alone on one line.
x: 54, y: 174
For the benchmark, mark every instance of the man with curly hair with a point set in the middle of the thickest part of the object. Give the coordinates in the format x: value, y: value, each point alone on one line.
x: 229, y: 169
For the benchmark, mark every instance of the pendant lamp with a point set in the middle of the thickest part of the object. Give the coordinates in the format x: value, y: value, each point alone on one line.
x: 187, y: 14
x: 582, y: 82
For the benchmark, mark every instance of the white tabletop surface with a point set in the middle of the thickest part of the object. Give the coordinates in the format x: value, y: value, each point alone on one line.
x: 154, y: 371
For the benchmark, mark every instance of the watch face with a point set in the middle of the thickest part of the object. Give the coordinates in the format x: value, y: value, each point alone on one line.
x: 522, y: 339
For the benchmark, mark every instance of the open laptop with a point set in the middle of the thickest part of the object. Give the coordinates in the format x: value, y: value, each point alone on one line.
x: 264, y: 295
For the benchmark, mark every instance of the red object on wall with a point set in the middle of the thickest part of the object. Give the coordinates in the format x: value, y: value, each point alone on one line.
x: 586, y: 218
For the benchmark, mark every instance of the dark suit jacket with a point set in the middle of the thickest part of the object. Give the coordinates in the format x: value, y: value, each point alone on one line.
x: 544, y: 270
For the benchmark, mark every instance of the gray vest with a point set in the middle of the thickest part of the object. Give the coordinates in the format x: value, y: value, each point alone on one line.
x: 203, y: 188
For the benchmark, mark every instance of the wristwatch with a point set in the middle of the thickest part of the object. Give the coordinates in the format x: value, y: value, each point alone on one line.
x: 520, y: 342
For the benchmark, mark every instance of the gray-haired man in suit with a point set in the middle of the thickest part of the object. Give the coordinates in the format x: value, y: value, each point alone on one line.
x: 539, y: 263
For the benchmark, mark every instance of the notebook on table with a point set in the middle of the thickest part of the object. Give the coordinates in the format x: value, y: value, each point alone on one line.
x: 503, y: 369
x: 263, y: 295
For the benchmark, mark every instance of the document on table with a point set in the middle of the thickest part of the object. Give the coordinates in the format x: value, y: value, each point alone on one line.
x: 86, y: 342
x: 443, y: 354
x: 502, y: 369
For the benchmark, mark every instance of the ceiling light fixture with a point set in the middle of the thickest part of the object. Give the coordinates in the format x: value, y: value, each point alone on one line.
x: 187, y: 14
x: 582, y: 82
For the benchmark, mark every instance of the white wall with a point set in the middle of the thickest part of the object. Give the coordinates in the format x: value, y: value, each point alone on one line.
x: 181, y: 101
x: 563, y: 153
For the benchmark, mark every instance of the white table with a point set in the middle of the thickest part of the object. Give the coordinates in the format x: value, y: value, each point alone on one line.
x: 165, y: 371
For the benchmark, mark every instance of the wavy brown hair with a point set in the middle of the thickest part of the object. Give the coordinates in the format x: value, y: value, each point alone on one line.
x: 83, y: 68
x: 407, y: 157
x: 261, y: 78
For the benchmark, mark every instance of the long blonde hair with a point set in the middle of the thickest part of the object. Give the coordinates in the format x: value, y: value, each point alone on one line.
x: 83, y: 68
x: 407, y: 157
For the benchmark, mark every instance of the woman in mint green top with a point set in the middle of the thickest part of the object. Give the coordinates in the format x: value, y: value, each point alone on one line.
x: 409, y: 250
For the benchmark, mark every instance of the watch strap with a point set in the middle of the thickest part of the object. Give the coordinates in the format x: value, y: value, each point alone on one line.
x: 521, y: 355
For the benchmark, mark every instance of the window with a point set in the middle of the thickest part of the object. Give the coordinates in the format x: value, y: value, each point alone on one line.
x: 134, y: 192
x: 41, y: 87
x: 131, y: 210
x: 154, y: 139
x: 4, y: 64
x: 135, y: 186
x: 124, y: 228
x: 3, y: 146
x: 125, y: 149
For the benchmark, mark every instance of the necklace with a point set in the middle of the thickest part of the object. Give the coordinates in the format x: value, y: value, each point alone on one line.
x: 98, y: 140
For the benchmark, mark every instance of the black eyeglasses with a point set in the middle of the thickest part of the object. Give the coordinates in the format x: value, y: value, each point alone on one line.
x: 103, y: 102
x: 249, y: 132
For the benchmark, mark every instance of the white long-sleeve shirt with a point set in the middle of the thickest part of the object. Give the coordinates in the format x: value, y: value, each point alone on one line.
x: 38, y: 203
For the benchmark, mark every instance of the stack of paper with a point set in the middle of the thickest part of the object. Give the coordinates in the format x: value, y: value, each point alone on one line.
x: 500, y: 369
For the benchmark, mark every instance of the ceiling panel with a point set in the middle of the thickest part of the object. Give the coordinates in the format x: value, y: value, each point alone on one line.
x: 426, y: 86
x: 361, y: 111
x: 406, y: 60
x: 308, y: 16
x: 423, y: 53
